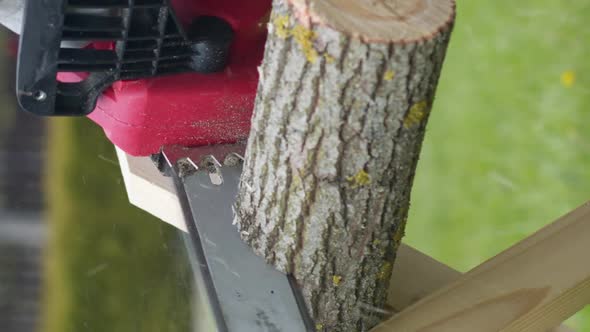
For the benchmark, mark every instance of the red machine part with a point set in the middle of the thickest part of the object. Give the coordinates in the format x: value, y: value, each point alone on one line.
x: 190, y: 109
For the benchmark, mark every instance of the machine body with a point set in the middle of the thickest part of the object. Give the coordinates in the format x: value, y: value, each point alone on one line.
x: 151, y: 73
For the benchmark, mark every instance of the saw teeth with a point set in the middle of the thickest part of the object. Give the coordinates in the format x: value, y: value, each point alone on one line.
x: 211, y: 159
x: 213, y: 166
x: 209, y: 162
x: 186, y: 167
x: 233, y: 159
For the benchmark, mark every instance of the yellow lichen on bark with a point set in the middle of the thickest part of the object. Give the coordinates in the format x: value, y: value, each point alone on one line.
x: 385, y: 271
x: 416, y: 114
x: 281, y: 25
x: 302, y: 35
x: 360, y: 179
x: 389, y: 75
x: 305, y: 37
x: 329, y: 58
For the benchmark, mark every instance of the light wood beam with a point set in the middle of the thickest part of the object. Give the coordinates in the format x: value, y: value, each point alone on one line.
x: 533, y: 286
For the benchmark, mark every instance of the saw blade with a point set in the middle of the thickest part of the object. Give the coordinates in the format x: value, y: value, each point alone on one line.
x: 246, y: 294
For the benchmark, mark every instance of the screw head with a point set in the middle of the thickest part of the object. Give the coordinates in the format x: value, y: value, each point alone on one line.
x: 39, y: 95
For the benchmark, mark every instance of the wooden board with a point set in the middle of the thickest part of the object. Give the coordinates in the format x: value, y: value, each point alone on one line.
x: 416, y: 275
x: 149, y: 190
x: 533, y: 286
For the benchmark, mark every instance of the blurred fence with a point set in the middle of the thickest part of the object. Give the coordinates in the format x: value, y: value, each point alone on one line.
x: 22, y: 146
x: 22, y: 230
x: 20, y: 285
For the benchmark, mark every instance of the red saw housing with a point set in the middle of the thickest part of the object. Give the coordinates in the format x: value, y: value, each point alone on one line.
x: 189, y: 109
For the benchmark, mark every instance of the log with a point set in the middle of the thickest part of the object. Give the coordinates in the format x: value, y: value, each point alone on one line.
x: 346, y: 88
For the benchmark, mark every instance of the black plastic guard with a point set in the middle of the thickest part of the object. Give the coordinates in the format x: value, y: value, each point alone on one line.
x: 146, y: 40
x: 38, y: 53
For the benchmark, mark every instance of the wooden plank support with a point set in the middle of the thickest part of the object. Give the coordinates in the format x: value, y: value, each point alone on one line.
x: 417, y: 275
x: 532, y: 286
x: 149, y: 190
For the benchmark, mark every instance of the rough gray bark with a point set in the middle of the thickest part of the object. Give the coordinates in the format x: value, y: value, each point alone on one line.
x: 336, y: 133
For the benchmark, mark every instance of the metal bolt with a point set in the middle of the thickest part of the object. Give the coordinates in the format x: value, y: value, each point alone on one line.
x: 40, y: 95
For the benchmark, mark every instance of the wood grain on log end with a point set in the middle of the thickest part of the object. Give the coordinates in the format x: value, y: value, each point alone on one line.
x: 379, y: 21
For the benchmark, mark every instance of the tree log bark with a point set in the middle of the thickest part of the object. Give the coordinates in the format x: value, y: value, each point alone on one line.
x: 345, y: 91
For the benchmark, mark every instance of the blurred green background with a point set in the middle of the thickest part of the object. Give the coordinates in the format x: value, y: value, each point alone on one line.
x: 109, y: 266
x: 508, y: 143
x: 507, y: 151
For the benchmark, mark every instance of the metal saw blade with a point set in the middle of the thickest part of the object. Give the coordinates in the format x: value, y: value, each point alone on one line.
x: 246, y: 294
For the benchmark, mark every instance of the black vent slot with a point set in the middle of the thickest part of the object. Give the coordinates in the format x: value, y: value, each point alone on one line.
x: 116, y: 3
x: 109, y: 40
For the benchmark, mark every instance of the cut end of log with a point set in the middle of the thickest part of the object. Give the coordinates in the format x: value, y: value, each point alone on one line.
x: 385, y: 21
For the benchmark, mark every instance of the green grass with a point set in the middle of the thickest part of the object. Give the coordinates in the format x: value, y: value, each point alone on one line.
x: 110, y: 267
x: 508, y: 145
